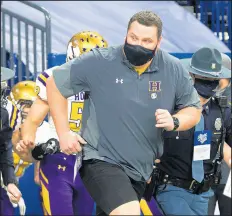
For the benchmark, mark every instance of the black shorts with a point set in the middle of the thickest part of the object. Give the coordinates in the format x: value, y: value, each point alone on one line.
x: 109, y: 185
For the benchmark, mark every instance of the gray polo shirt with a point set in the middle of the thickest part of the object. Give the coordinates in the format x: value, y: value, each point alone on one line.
x: 124, y: 104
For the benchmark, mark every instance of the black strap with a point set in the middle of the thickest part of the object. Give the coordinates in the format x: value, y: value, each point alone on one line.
x: 192, y: 185
x: 222, y: 103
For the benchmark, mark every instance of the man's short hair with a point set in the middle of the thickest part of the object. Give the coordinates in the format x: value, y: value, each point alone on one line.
x: 147, y: 18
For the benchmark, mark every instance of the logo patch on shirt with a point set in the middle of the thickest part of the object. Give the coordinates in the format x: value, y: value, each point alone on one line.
x: 154, y: 86
x: 119, y: 80
x: 202, y: 145
x: 218, y: 124
x: 61, y: 167
x: 153, y: 95
x: 202, y: 138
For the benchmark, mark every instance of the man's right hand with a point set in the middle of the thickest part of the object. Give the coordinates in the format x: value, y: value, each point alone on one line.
x: 24, y: 146
x: 70, y: 143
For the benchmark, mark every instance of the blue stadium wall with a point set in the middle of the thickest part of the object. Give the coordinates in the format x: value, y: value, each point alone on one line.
x: 30, y: 190
x: 58, y: 59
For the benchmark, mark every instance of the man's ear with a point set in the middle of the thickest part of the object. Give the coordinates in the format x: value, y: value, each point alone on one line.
x: 125, y: 38
x: 159, y: 42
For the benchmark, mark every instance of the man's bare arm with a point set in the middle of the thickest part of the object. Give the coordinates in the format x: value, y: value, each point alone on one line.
x: 188, y: 117
x: 58, y: 107
x: 36, y: 115
x: 227, y: 154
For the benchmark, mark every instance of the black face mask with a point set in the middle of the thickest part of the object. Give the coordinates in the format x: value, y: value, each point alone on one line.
x: 205, y: 87
x: 138, y: 55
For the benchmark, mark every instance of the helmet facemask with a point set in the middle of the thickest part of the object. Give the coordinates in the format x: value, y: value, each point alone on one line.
x: 25, y: 106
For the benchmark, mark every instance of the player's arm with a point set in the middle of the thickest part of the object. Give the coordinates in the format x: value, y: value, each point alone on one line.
x: 36, y: 115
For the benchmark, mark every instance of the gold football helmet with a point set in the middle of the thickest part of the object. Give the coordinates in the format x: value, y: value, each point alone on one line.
x: 84, y: 42
x: 6, y: 74
x: 23, y: 92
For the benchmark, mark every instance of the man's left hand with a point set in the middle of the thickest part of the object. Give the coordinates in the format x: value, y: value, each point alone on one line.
x: 164, y: 119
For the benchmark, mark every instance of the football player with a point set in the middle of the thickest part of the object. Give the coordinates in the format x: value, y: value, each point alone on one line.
x: 60, y: 194
x: 18, y: 105
x: 21, y: 98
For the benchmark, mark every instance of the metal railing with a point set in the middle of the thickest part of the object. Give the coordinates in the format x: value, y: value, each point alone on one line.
x: 217, y: 16
x: 22, y: 31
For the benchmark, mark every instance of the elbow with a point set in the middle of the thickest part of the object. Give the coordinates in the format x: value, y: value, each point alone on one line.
x: 31, y: 122
x: 29, y: 126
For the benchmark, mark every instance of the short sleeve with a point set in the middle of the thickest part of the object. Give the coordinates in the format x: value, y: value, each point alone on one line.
x: 186, y: 94
x: 41, y: 83
x: 75, y: 76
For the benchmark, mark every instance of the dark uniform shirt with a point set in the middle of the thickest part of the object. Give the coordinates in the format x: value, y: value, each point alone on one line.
x: 224, y: 168
x: 6, y: 158
x: 178, y: 149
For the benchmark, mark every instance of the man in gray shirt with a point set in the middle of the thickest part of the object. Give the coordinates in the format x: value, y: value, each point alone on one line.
x: 134, y: 89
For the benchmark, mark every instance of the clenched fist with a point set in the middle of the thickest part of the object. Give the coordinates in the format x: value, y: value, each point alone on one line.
x: 70, y: 143
x: 25, y: 146
x: 164, y: 119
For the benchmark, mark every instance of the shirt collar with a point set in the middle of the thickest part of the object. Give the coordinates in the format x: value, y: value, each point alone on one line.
x: 206, y: 107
